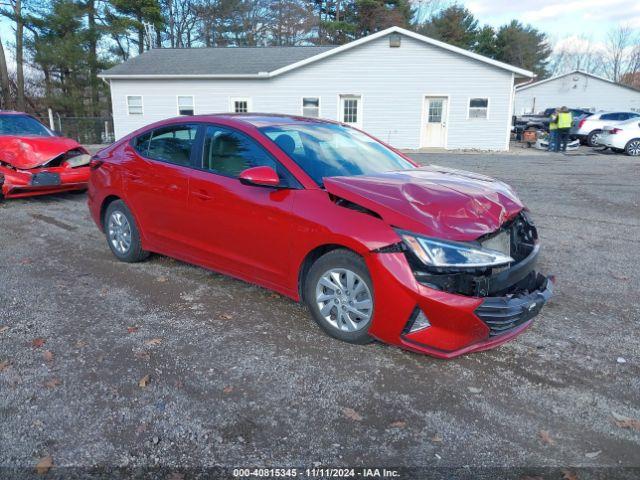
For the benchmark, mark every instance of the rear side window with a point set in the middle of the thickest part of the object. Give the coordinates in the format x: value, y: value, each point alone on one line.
x: 172, y: 144
x: 141, y: 143
x: 611, y: 116
x: 228, y: 152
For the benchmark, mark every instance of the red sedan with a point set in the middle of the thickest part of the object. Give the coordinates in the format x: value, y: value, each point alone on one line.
x: 35, y: 161
x: 430, y: 259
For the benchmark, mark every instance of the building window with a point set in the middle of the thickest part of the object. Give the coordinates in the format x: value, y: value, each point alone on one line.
x: 134, y: 104
x: 240, y: 105
x: 435, y: 110
x: 478, y: 108
x: 185, y: 105
x: 351, y: 109
x: 311, y: 107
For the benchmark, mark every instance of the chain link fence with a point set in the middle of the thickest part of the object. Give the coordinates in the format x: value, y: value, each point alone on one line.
x: 86, y: 130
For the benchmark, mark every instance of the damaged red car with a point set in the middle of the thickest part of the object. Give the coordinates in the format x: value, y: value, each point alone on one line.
x: 35, y: 161
x: 430, y: 259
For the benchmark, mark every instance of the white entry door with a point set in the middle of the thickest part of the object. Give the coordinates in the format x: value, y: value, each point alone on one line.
x: 434, y: 123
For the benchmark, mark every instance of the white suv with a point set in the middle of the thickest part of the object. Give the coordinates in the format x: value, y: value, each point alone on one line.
x: 588, y: 129
x: 622, y: 136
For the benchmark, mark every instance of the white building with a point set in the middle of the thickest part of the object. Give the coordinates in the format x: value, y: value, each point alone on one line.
x: 576, y: 90
x: 404, y: 88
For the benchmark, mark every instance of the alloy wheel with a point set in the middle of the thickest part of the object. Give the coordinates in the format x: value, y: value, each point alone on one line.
x: 119, y: 231
x: 344, y: 299
x: 633, y: 148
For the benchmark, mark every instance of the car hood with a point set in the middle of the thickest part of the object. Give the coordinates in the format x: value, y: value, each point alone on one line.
x: 434, y: 201
x: 31, y: 152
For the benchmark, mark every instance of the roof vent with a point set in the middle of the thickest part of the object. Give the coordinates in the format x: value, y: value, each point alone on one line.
x: 394, y: 40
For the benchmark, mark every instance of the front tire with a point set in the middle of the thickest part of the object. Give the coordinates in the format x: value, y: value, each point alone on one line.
x: 633, y: 147
x: 339, y: 293
x: 592, y: 138
x: 122, y: 233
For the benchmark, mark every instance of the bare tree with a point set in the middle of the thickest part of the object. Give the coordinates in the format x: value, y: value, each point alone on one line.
x: 180, y: 21
x: 617, y: 53
x: 290, y: 22
x: 579, y: 53
x: 12, y: 9
x: 5, y: 97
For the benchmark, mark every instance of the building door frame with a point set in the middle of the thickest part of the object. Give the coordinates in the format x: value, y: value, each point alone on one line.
x: 444, y: 121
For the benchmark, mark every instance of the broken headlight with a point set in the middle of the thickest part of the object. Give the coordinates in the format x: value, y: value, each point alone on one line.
x: 441, y: 253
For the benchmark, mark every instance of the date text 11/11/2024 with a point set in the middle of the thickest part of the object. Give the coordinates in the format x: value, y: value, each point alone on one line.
x: 316, y: 472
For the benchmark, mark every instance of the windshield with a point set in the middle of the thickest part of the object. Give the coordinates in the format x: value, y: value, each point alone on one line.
x: 22, y: 125
x: 328, y: 150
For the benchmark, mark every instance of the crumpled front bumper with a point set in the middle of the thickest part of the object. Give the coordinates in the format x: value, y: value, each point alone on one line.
x: 459, y: 323
x: 42, y: 181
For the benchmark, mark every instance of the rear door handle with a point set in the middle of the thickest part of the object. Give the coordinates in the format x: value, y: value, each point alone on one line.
x: 202, y: 195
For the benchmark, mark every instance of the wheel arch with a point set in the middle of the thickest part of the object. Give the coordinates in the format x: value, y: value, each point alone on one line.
x: 108, y: 200
x: 314, y: 255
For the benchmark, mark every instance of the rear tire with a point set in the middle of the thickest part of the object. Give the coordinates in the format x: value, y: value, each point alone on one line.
x: 592, y: 138
x: 122, y: 233
x: 632, y: 148
x: 339, y: 293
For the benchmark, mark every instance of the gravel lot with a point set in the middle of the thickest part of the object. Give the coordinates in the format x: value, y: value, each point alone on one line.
x: 240, y: 376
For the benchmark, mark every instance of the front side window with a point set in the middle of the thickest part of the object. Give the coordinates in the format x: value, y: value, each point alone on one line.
x: 228, y: 152
x: 328, y: 150
x: 134, y: 104
x: 240, y: 105
x: 172, y: 144
x: 478, y: 107
x: 185, y: 105
x: 22, y: 125
x: 311, y: 107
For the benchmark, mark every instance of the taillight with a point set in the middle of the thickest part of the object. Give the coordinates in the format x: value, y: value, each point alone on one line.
x: 580, y: 125
x: 613, y: 131
x: 95, y: 163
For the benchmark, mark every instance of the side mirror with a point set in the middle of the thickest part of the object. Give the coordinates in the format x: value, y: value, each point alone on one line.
x: 260, y: 176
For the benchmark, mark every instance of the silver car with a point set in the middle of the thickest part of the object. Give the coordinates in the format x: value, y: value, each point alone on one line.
x: 588, y: 129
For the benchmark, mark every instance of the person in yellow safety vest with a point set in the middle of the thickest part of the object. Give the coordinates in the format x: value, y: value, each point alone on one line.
x: 564, y: 126
x: 553, y: 132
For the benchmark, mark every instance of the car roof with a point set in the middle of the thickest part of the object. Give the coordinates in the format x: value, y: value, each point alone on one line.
x: 13, y: 112
x: 260, y: 120
x: 608, y: 112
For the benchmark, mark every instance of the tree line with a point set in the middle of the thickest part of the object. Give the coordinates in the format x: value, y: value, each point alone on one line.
x: 60, y: 46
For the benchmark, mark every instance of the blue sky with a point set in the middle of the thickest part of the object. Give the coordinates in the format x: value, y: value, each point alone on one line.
x: 559, y: 19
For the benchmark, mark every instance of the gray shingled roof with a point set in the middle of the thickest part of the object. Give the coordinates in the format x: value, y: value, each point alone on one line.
x: 213, y: 61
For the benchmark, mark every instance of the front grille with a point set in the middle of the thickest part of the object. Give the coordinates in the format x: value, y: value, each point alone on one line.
x: 502, y: 314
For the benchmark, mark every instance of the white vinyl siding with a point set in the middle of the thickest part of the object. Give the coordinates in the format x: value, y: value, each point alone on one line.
x: 392, y: 83
x: 576, y: 90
